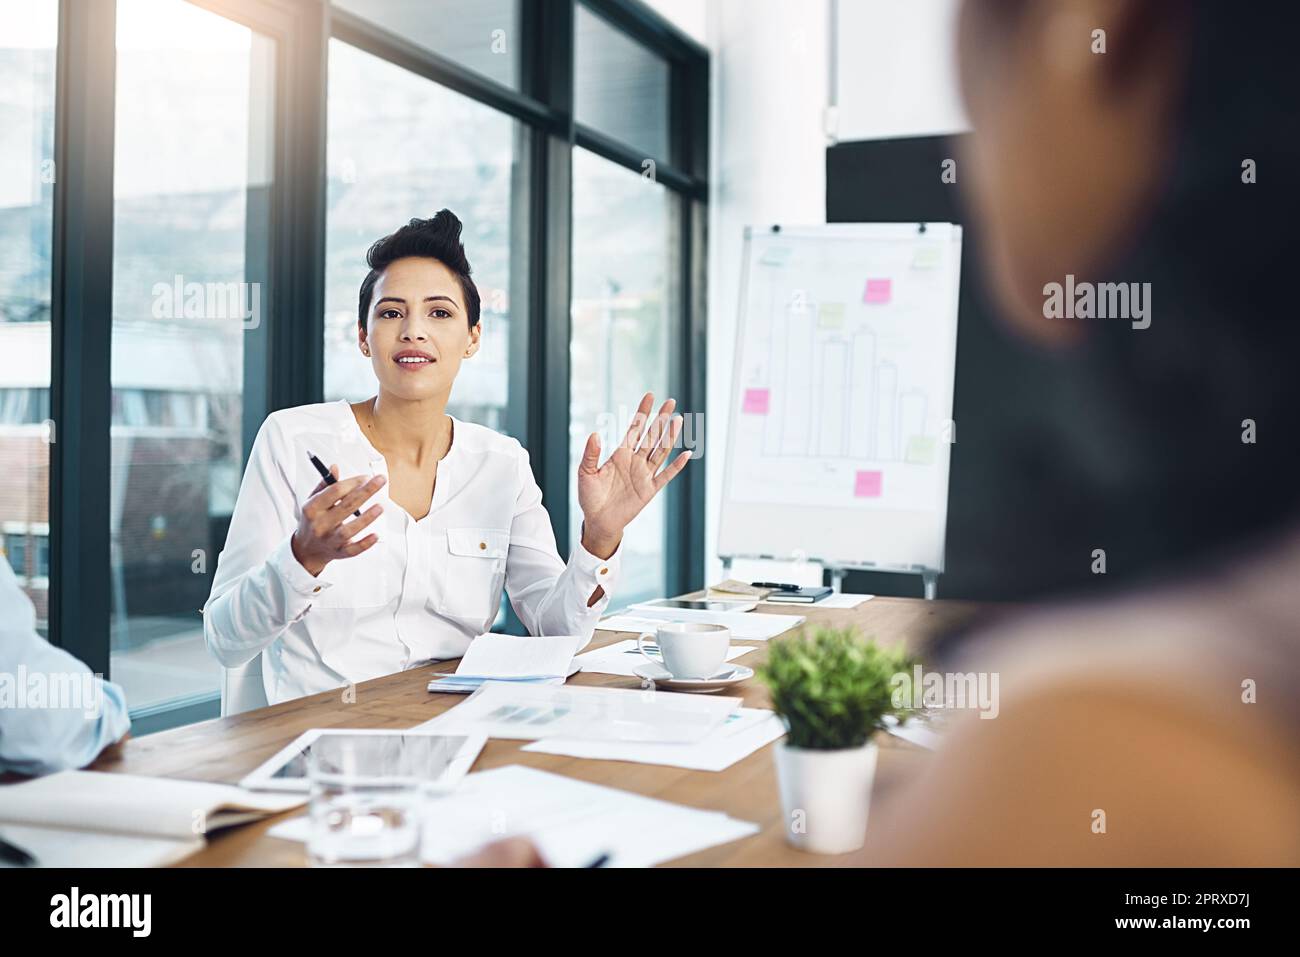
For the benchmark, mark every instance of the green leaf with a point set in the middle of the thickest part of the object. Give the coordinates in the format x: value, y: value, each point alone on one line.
x: 833, y: 688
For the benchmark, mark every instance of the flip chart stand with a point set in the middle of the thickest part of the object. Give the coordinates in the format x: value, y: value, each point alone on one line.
x: 929, y: 576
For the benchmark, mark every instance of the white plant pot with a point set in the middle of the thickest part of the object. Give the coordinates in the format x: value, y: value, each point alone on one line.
x: 826, y: 796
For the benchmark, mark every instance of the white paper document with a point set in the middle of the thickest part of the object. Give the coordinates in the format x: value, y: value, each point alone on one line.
x: 629, y: 623
x: 917, y: 732
x: 572, y: 822
x: 747, y: 730
x: 508, y: 656
x: 622, y: 657
x: 502, y: 709
x: 752, y: 625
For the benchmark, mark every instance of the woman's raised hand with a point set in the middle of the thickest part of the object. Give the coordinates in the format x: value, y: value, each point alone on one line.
x: 326, y: 528
x: 613, y: 494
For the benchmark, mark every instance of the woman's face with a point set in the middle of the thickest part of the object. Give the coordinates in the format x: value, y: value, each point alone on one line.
x: 1071, y: 133
x: 418, y: 332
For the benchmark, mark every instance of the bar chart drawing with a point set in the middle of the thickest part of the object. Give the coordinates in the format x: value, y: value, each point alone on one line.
x: 843, y: 397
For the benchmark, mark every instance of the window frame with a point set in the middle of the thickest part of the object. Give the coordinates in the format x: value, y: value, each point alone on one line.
x: 538, y: 407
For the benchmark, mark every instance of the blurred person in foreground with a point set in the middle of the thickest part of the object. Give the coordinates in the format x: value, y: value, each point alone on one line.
x: 1160, y: 726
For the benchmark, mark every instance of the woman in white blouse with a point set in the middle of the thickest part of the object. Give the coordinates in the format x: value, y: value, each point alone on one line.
x: 449, y: 511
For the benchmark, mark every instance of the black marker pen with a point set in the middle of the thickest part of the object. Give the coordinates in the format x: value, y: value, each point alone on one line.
x: 326, y: 474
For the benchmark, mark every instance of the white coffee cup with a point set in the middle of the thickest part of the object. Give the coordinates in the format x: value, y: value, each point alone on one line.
x: 689, y: 649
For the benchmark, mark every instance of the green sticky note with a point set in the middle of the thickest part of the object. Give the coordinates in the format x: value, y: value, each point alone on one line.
x: 920, y: 450
x: 926, y: 257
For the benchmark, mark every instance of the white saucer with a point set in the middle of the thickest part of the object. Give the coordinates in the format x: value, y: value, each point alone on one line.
x: 726, y: 677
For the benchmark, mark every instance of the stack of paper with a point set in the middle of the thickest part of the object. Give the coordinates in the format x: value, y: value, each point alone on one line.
x: 92, y: 819
x: 622, y: 657
x: 545, y: 659
x: 524, y: 711
x: 572, y: 822
x: 744, y: 732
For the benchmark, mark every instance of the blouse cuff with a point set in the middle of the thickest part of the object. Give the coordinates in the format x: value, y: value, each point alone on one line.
x: 593, y: 571
x: 296, y: 578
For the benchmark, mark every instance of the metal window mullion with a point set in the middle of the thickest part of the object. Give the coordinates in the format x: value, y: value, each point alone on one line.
x: 549, y: 78
x: 81, y: 331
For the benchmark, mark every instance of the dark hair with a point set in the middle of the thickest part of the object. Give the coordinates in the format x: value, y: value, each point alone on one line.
x: 437, y: 238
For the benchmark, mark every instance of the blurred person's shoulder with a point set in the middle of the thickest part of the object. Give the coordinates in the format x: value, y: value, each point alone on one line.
x: 1158, y: 728
x: 1228, y: 632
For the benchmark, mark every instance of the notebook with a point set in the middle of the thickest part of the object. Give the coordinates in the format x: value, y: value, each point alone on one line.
x: 798, y: 596
x: 544, y: 659
x: 94, y: 819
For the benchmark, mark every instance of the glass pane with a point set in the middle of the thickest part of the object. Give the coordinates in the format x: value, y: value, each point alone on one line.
x: 192, y: 178
x: 619, y: 87
x: 417, y: 150
x: 28, y: 32
x: 624, y: 247
x: 480, y: 34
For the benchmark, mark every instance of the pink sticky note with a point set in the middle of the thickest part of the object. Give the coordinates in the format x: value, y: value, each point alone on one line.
x: 868, y: 485
x: 878, y: 292
x: 756, y: 401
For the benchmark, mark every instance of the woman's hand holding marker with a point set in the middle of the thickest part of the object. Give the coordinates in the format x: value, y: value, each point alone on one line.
x: 326, y: 530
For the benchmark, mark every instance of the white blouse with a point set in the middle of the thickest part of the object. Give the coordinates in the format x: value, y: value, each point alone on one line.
x: 421, y: 593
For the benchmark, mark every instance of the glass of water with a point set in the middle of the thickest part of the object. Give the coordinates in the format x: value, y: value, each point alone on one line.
x: 366, y: 802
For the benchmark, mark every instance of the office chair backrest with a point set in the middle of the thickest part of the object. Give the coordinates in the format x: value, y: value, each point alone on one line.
x: 242, y: 689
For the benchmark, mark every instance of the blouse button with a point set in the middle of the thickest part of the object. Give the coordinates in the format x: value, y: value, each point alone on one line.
x: 315, y: 590
x: 604, y: 571
x: 482, y: 546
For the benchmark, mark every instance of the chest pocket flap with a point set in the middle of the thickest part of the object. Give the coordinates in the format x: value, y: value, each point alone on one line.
x: 476, y: 572
x: 478, y: 542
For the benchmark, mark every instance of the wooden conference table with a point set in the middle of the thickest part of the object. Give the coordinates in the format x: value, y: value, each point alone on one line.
x: 225, y: 749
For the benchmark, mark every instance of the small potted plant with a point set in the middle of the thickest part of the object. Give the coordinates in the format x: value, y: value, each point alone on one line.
x: 833, y: 690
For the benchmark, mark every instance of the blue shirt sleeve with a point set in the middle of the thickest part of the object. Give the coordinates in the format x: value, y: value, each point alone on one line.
x: 54, y: 714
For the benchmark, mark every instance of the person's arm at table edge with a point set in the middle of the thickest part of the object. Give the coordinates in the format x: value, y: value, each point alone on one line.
x: 1177, y: 788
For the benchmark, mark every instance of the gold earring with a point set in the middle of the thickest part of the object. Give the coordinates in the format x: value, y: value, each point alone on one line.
x: 365, y: 350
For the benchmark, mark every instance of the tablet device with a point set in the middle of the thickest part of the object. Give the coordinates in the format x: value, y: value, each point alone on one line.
x: 439, y: 761
x: 702, y: 604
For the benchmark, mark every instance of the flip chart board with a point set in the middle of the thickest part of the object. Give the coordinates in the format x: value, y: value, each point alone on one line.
x: 841, y: 411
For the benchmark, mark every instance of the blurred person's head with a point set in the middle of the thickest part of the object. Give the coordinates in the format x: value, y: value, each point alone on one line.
x: 1111, y: 145
x: 418, y: 309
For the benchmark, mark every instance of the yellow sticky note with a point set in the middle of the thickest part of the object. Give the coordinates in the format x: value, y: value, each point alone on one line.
x: 830, y: 315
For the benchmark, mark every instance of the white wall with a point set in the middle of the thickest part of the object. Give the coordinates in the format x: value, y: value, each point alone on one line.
x: 689, y: 16
x: 768, y: 159
x: 898, y: 69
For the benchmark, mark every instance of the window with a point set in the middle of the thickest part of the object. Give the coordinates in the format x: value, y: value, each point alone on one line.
x: 28, y: 32
x: 41, y: 567
x: 25, y: 406
x: 192, y: 171
x: 402, y: 147
x: 483, y: 35
x: 620, y: 88
x: 16, y: 552
x: 210, y: 273
x: 624, y: 251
